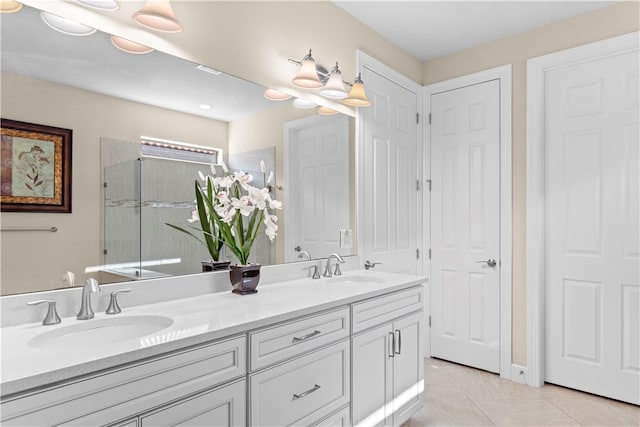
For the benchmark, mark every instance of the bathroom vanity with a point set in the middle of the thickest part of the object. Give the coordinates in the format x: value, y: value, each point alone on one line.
x: 345, y: 350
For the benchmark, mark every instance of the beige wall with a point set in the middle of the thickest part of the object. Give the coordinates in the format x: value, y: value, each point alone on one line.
x: 604, y: 23
x: 46, y: 256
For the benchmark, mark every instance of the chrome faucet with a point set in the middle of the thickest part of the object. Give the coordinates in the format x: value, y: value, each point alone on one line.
x: 89, y: 287
x: 316, y: 272
x: 337, y: 272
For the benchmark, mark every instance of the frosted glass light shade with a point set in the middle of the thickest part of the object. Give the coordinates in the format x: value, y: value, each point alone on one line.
x: 334, y: 88
x: 158, y: 15
x: 66, y: 26
x: 357, y: 96
x: 326, y: 111
x: 129, y: 46
x: 9, y: 6
x: 109, y: 5
x: 275, y: 95
x: 307, y: 76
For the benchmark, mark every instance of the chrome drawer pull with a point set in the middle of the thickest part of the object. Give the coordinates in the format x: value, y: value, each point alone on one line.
x: 312, y: 334
x: 311, y: 390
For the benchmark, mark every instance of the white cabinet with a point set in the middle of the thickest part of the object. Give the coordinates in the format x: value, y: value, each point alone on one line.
x: 222, y: 407
x: 387, y: 364
x: 121, y: 394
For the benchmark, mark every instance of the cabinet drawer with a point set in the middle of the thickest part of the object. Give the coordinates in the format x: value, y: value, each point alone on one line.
x: 338, y: 419
x: 224, y: 406
x: 272, y: 345
x: 302, y: 390
x: 377, y: 311
x: 130, y: 389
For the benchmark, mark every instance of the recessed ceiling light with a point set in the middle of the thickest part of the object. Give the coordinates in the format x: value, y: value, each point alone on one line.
x: 205, y: 106
x: 109, y: 5
x: 303, y: 103
x: 208, y: 70
x: 66, y: 26
x: 129, y: 46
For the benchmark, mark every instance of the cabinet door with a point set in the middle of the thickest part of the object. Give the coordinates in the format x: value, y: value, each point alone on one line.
x: 372, y: 367
x: 408, y: 367
x: 220, y: 407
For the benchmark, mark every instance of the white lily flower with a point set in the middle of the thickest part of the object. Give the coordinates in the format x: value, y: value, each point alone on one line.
x: 223, y: 182
x: 243, y: 205
x: 275, y: 204
x: 201, y: 175
x: 244, y: 179
x: 213, y: 169
x: 194, y: 216
x: 263, y: 168
x: 259, y: 197
x: 271, y: 234
x: 223, y: 197
x: 270, y: 178
x: 224, y: 166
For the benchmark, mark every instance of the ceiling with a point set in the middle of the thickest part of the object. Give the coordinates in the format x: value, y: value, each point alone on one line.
x: 429, y: 29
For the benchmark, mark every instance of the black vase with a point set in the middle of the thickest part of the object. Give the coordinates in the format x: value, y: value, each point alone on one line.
x: 244, y: 278
x: 214, y: 265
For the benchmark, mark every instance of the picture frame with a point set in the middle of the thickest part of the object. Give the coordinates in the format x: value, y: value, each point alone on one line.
x: 35, y: 168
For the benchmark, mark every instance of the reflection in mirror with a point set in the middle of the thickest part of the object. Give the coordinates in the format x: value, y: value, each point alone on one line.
x: 107, y: 96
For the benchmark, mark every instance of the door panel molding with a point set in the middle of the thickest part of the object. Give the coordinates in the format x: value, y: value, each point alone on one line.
x: 536, y: 71
x: 503, y: 74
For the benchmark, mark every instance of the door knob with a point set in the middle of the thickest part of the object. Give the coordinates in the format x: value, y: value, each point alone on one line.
x: 490, y: 262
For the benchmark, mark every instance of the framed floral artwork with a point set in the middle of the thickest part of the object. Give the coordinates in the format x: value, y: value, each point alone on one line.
x: 35, y: 168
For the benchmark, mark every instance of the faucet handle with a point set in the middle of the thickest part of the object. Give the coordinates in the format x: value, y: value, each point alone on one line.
x: 337, y: 271
x: 114, y: 308
x: 52, y: 317
x: 368, y: 264
x: 316, y: 272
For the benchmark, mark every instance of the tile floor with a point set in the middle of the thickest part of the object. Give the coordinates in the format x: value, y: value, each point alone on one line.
x: 457, y: 395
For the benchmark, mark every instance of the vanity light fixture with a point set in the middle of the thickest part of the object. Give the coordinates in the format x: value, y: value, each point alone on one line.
x: 130, y: 46
x: 326, y: 111
x: 108, y: 5
x: 9, y: 6
x: 334, y: 88
x: 357, y: 96
x: 307, y: 76
x: 158, y: 15
x: 275, y: 95
x: 66, y: 26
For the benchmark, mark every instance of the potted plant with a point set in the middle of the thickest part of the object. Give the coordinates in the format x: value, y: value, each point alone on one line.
x: 235, y: 212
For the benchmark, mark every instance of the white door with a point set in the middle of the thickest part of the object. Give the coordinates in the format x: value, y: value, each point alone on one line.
x: 318, y: 196
x: 592, y: 188
x: 465, y: 225
x: 388, y: 209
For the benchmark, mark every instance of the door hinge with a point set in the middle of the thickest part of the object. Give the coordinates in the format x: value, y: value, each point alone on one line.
x: 417, y: 118
x: 417, y: 185
x: 429, y: 321
x: 104, y: 184
x: 104, y: 251
x: 417, y: 253
x: 429, y: 118
x: 429, y: 182
x: 429, y: 253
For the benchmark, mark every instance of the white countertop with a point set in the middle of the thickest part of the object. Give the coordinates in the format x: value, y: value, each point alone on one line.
x: 196, y: 320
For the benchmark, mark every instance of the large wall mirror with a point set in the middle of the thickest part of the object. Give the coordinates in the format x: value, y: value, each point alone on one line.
x: 122, y: 197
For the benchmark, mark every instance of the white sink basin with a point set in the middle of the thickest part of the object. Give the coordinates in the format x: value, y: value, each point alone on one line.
x: 98, y: 332
x: 356, y: 279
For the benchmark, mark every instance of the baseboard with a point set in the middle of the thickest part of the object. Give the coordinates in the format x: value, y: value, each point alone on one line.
x: 519, y: 374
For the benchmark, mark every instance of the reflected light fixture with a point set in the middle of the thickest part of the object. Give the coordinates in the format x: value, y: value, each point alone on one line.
x: 108, y: 5
x: 334, y: 88
x: 9, y: 6
x: 357, y: 96
x: 326, y: 111
x: 158, y: 15
x: 66, y: 26
x: 275, y: 95
x: 130, y: 46
x: 303, y: 103
x: 307, y: 76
